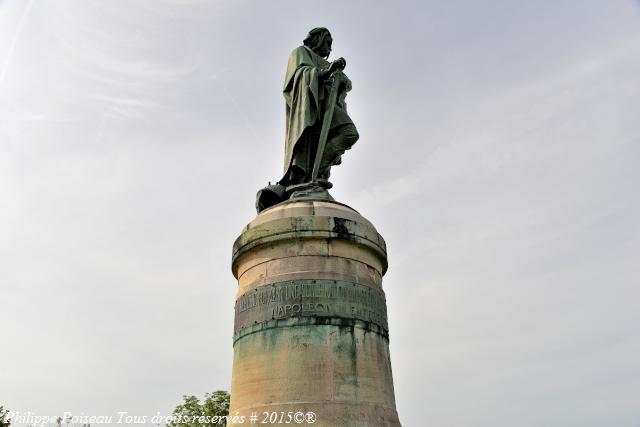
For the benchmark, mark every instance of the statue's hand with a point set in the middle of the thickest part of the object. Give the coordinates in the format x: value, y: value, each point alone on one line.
x: 338, y: 64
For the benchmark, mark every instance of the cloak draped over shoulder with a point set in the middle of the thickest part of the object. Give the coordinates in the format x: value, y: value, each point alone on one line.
x: 302, y: 96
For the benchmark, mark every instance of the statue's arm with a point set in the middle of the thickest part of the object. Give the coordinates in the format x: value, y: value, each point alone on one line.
x: 336, y: 65
x: 347, y: 84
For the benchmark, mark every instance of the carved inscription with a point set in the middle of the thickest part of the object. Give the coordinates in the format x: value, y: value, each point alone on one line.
x: 311, y: 298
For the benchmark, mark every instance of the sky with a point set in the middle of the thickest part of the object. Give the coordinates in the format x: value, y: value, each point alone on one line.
x: 498, y: 156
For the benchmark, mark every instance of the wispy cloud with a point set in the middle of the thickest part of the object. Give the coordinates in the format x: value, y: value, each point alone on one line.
x: 14, y: 42
x: 498, y: 159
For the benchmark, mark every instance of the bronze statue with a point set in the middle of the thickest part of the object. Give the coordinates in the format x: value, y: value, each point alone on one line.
x: 318, y: 128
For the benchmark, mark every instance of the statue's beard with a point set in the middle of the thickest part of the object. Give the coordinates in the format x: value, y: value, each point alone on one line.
x: 320, y: 54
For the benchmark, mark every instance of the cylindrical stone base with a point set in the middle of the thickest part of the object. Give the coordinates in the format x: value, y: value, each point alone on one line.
x: 311, y: 331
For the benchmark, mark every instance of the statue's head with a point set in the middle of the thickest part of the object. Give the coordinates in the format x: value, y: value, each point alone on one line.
x: 319, y: 41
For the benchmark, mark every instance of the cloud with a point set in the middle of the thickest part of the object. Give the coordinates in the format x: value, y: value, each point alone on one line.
x: 498, y: 160
x: 14, y: 42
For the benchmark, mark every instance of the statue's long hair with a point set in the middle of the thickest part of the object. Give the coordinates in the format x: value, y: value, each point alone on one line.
x: 316, y: 37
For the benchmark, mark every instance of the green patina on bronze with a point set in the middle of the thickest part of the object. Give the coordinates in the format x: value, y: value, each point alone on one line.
x: 305, y: 91
x: 316, y: 116
x: 311, y: 298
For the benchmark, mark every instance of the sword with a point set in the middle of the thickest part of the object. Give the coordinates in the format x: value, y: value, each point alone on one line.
x: 326, y: 122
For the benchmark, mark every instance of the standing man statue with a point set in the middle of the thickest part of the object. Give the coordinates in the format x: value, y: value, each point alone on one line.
x: 306, y: 92
x: 318, y: 128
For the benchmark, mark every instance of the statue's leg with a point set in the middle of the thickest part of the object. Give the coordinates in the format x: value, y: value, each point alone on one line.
x: 340, y: 139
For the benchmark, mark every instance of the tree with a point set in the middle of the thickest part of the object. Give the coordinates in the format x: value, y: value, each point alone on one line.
x: 4, y: 422
x: 212, y: 412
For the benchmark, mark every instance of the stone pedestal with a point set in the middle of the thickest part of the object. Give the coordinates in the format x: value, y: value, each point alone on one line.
x: 311, y: 329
